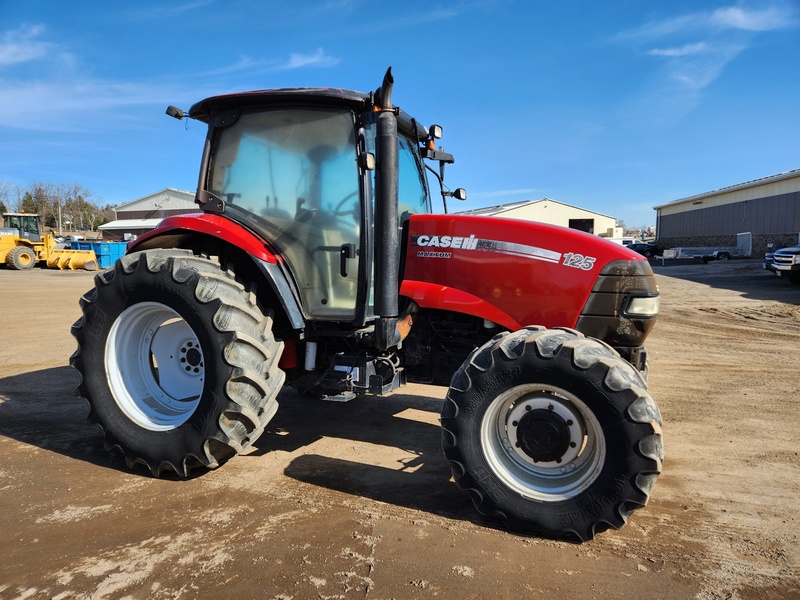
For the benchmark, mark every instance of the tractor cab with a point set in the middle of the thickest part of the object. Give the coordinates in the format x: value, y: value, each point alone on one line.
x: 298, y: 167
x: 23, y: 225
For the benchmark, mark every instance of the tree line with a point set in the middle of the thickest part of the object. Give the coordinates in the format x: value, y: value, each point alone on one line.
x: 61, y: 206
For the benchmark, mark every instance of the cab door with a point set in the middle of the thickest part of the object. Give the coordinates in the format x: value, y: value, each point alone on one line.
x: 291, y: 175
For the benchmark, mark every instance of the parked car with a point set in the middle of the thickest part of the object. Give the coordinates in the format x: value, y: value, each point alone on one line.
x: 786, y: 263
x: 768, y: 265
x: 644, y: 248
x: 769, y: 258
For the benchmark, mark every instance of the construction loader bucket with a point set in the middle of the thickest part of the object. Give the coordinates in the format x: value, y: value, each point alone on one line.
x: 73, y: 259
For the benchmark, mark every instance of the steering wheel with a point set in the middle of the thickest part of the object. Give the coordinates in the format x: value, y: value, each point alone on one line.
x: 339, y: 211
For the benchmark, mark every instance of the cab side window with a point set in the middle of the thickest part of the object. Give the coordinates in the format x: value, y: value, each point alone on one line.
x: 412, y: 191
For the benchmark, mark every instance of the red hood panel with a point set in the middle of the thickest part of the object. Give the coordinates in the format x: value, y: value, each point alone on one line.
x: 534, y: 273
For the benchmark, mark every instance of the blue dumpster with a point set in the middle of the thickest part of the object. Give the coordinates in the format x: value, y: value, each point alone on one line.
x: 107, y: 252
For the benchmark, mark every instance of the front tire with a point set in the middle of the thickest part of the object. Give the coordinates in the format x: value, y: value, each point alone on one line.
x: 553, y: 433
x: 177, y: 362
x: 21, y: 258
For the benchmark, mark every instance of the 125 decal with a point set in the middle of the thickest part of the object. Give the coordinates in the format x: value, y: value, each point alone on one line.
x: 579, y: 261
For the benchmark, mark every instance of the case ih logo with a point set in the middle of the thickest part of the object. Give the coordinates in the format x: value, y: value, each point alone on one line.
x: 481, y: 245
x: 445, y: 241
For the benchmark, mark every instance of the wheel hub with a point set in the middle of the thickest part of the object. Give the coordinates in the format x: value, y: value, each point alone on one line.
x: 542, y: 441
x: 544, y: 431
x: 191, y: 357
x: 543, y: 435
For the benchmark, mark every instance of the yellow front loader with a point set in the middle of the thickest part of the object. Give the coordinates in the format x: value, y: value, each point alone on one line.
x: 22, y: 246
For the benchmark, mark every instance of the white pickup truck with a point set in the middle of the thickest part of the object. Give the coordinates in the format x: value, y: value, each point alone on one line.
x: 786, y: 263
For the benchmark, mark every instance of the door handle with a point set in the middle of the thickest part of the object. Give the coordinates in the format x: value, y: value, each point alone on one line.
x: 345, y: 251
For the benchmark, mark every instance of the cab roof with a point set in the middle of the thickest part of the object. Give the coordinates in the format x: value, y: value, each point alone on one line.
x: 357, y: 101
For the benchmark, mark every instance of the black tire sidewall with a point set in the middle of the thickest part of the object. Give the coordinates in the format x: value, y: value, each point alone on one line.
x: 127, y: 289
x: 600, y: 499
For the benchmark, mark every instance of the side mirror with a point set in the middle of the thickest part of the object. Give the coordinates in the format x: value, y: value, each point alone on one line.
x: 175, y: 112
x: 458, y: 194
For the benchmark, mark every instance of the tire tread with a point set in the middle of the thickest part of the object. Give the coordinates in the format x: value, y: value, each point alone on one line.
x: 604, y: 366
x: 249, y: 348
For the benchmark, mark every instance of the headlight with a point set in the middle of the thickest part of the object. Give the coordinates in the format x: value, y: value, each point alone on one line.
x: 643, y: 306
x: 623, y: 305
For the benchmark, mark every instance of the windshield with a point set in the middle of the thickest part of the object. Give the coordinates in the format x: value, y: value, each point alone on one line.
x: 291, y: 175
x: 412, y: 187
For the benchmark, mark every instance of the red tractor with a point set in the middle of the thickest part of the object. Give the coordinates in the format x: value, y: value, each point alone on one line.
x: 316, y: 262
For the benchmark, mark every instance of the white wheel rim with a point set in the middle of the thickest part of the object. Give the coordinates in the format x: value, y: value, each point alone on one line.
x: 572, y: 464
x: 155, y: 366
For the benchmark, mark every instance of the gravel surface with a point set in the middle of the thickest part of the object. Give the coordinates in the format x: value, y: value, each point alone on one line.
x: 355, y: 500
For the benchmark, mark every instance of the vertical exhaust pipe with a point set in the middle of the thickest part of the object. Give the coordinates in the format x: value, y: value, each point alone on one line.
x: 387, y: 243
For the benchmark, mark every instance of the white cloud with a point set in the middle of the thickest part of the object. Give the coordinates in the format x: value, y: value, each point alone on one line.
x: 753, y: 20
x: 57, y: 96
x: 63, y: 105
x: 700, y: 71
x: 243, y: 64
x: 316, y: 59
x: 698, y: 46
x: 169, y: 11
x: 21, y: 45
x: 659, y: 29
x: 251, y: 65
x: 722, y: 19
x: 685, y: 50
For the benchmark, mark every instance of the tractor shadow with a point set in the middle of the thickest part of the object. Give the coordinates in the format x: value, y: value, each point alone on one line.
x: 41, y: 409
x: 386, y: 449
x: 318, y: 438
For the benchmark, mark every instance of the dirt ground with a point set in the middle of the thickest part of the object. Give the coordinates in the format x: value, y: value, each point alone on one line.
x: 355, y: 500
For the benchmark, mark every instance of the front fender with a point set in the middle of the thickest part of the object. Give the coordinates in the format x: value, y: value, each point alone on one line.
x: 442, y: 297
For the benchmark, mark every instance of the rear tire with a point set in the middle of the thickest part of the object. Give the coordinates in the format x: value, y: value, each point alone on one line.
x: 553, y: 433
x: 178, y: 364
x: 21, y: 258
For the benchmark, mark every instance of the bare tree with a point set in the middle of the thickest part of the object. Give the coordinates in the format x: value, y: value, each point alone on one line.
x: 84, y: 212
x: 5, y: 191
x: 54, y: 201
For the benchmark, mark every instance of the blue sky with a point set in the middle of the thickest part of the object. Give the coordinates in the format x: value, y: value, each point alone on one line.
x: 612, y: 106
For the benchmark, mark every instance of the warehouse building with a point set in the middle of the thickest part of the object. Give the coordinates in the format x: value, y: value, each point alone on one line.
x: 142, y: 215
x: 768, y: 208
x: 551, y: 211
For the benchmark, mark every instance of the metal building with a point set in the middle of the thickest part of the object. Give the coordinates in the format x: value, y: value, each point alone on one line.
x: 768, y: 208
x: 551, y: 211
x: 142, y: 215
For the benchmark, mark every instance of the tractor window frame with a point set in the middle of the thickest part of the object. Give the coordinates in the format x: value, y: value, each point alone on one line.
x: 290, y: 173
